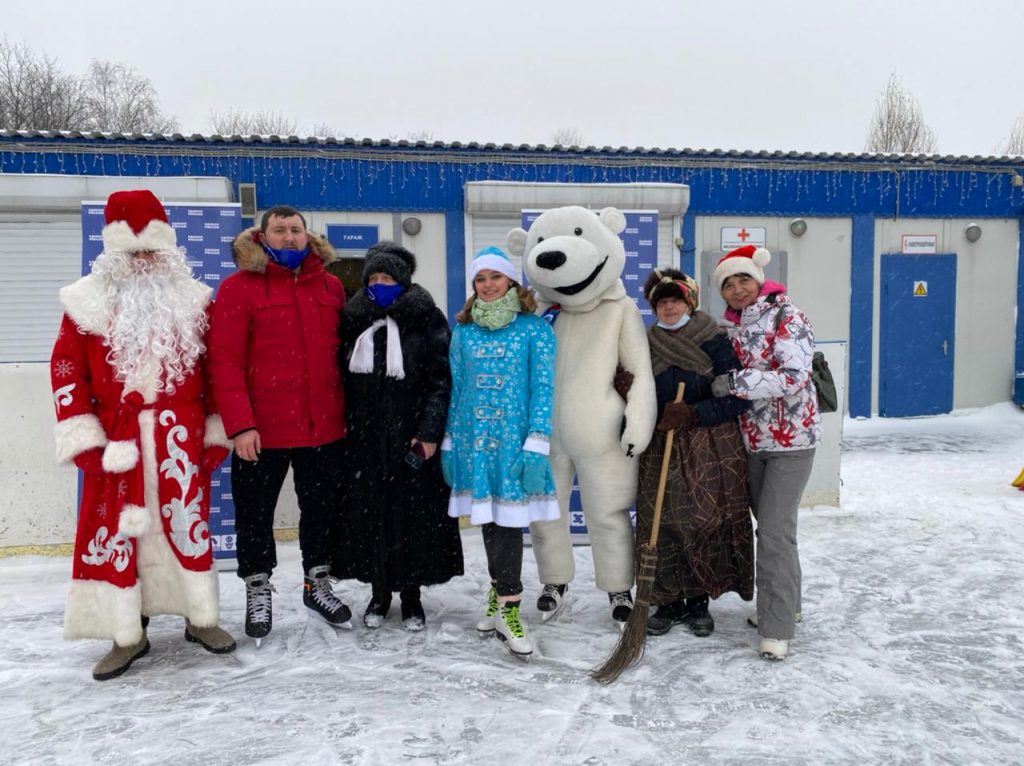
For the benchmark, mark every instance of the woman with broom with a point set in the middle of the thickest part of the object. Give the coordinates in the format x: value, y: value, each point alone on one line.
x: 705, y: 540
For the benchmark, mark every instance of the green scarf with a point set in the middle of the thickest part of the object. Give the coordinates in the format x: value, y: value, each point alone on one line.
x: 497, y: 313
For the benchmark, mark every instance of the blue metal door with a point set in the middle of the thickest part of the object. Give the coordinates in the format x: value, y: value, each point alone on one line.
x: 917, y: 326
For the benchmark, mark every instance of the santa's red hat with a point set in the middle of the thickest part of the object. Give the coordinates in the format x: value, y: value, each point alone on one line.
x: 136, y: 221
x: 749, y: 260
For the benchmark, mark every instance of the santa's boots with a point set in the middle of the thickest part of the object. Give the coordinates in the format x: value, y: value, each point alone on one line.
x: 119, y: 659
x: 551, y: 600
x: 213, y: 639
x: 486, y: 624
x: 259, y: 613
x: 511, y: 630
x: 319, y: 598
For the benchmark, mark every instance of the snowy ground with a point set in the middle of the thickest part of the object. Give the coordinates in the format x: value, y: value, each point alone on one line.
x: 911, y: 651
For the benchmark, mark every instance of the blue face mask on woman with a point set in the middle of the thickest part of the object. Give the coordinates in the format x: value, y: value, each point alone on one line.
x: 290, y: 259
x: 384, y: 295
x: 681, y: 323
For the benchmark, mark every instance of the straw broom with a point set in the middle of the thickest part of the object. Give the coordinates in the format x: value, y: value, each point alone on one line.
x: 633, y: 640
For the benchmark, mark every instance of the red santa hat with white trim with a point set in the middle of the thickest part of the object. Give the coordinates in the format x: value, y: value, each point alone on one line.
x: 136, y: 221
x: 749, y: 260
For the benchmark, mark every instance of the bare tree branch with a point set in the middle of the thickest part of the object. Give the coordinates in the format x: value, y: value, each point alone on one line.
x: 35, y: 94
x: 1015, y: 143
x: 567, y: 137
x: 235, y: 122
x: 897, y: 124
x: 120, y: 100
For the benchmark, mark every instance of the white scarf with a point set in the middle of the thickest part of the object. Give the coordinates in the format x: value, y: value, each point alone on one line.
x: 362, y: 352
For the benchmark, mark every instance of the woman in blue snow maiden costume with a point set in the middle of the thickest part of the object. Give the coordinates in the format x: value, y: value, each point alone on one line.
x: 495, y: 450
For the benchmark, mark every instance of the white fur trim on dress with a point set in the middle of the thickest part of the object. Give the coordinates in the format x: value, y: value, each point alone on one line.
x: 120, y: 456
x: 538, y: 444
x: 215, y: 434
x: 119, y: 237
x: 537, y: 508
x: 77, y: 434
x: 169, y: 588
x: 97, y: 609
x: 134, y: 520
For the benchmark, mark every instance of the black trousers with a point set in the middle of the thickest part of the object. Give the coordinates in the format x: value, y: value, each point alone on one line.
x: 504, y: 547
x: 256, y: 486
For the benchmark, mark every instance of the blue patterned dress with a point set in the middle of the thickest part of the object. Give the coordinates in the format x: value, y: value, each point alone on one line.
x: 502, y: 391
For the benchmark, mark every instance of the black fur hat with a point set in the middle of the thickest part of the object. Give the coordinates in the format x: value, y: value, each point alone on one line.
x: 392, y: 259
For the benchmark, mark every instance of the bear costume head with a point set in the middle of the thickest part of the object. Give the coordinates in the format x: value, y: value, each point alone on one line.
x: 573, y: 256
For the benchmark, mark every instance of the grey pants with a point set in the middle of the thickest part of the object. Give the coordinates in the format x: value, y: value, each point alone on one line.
x: 777, y: 481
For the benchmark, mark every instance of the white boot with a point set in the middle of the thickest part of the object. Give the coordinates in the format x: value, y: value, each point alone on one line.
x: 511, y: 630
x: 486, y: 624
x: 774, y: 649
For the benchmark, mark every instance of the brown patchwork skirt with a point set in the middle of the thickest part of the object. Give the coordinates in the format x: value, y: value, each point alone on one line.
x: 705, y: 543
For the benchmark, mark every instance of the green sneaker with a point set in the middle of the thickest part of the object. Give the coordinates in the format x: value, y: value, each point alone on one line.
x: 485, y: 626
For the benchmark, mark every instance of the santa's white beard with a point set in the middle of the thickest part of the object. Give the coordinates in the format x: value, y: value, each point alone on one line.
x: 157, y: 318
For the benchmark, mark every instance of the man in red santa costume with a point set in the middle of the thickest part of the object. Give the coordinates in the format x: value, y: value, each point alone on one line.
x: 135, y: 413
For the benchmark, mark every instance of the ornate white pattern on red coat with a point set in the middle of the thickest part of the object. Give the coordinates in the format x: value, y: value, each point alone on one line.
x: 62, y: 397
x: 64, y: 368
x: 103, y: 548
x: 190, y: 534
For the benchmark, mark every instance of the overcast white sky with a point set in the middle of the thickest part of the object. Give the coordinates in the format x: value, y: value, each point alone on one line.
x: 731, y: 74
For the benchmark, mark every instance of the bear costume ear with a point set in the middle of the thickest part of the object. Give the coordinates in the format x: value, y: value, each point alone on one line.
x: 613, y: 219
x: 516, y: 242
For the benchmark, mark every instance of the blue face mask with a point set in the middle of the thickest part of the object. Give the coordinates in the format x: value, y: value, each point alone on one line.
x: 384, y: 295
x: 681, y: 323
x: 290, y: 259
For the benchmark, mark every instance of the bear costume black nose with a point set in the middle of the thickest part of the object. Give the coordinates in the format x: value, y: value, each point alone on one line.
x: 551, y: 260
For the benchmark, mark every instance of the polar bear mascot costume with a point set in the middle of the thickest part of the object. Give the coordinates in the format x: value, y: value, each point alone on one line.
x: 573, y: 257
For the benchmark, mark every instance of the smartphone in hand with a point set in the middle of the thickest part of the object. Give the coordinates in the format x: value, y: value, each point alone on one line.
x: 415, y: 456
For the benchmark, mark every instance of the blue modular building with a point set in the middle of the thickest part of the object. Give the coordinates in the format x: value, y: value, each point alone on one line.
x: 912, y: 262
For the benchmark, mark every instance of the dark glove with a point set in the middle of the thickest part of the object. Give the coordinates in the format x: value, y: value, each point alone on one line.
x: 622, y: 381
x: 535, y: 470
x: 679, y: 415
x: 212, y: 458
x: 720, y: 386
x: 90, y: 461
x: 447, y: 458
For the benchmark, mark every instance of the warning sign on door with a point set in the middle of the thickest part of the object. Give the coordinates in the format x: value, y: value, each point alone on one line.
x: 920, y: 289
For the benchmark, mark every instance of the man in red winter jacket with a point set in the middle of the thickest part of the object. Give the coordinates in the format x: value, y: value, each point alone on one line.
x: 274, y: 357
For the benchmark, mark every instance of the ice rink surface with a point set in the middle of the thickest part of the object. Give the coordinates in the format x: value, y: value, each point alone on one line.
x: 911, y: 651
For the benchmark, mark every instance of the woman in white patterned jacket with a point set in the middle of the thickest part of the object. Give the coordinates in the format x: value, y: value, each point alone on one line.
x: 775, y: 344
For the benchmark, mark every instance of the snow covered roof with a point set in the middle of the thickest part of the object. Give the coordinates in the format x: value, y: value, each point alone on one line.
x: 711, y: 154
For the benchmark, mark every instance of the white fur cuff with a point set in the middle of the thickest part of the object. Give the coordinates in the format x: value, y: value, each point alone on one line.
x: 133, y: 521
x: 77, y: 434
x: 215, y: 434
x: 157, y: 236
x: 537, y: 444
x: 121, y: 456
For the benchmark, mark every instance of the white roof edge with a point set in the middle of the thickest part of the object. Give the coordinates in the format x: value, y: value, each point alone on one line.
x: 51, y: 192
x: 512, y: 196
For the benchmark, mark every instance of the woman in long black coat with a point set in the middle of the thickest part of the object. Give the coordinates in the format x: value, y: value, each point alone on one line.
x: 396, y: 533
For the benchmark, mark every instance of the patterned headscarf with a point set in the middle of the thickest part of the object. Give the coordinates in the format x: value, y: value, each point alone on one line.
x: 671, y: 283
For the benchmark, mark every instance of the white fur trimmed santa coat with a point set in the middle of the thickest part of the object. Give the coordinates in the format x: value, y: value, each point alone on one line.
x: 143, y: 544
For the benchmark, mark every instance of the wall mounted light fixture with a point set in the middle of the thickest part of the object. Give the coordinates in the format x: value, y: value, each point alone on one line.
x: 412, y: 226
x: 798, y: 227
x: 972, y: 232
